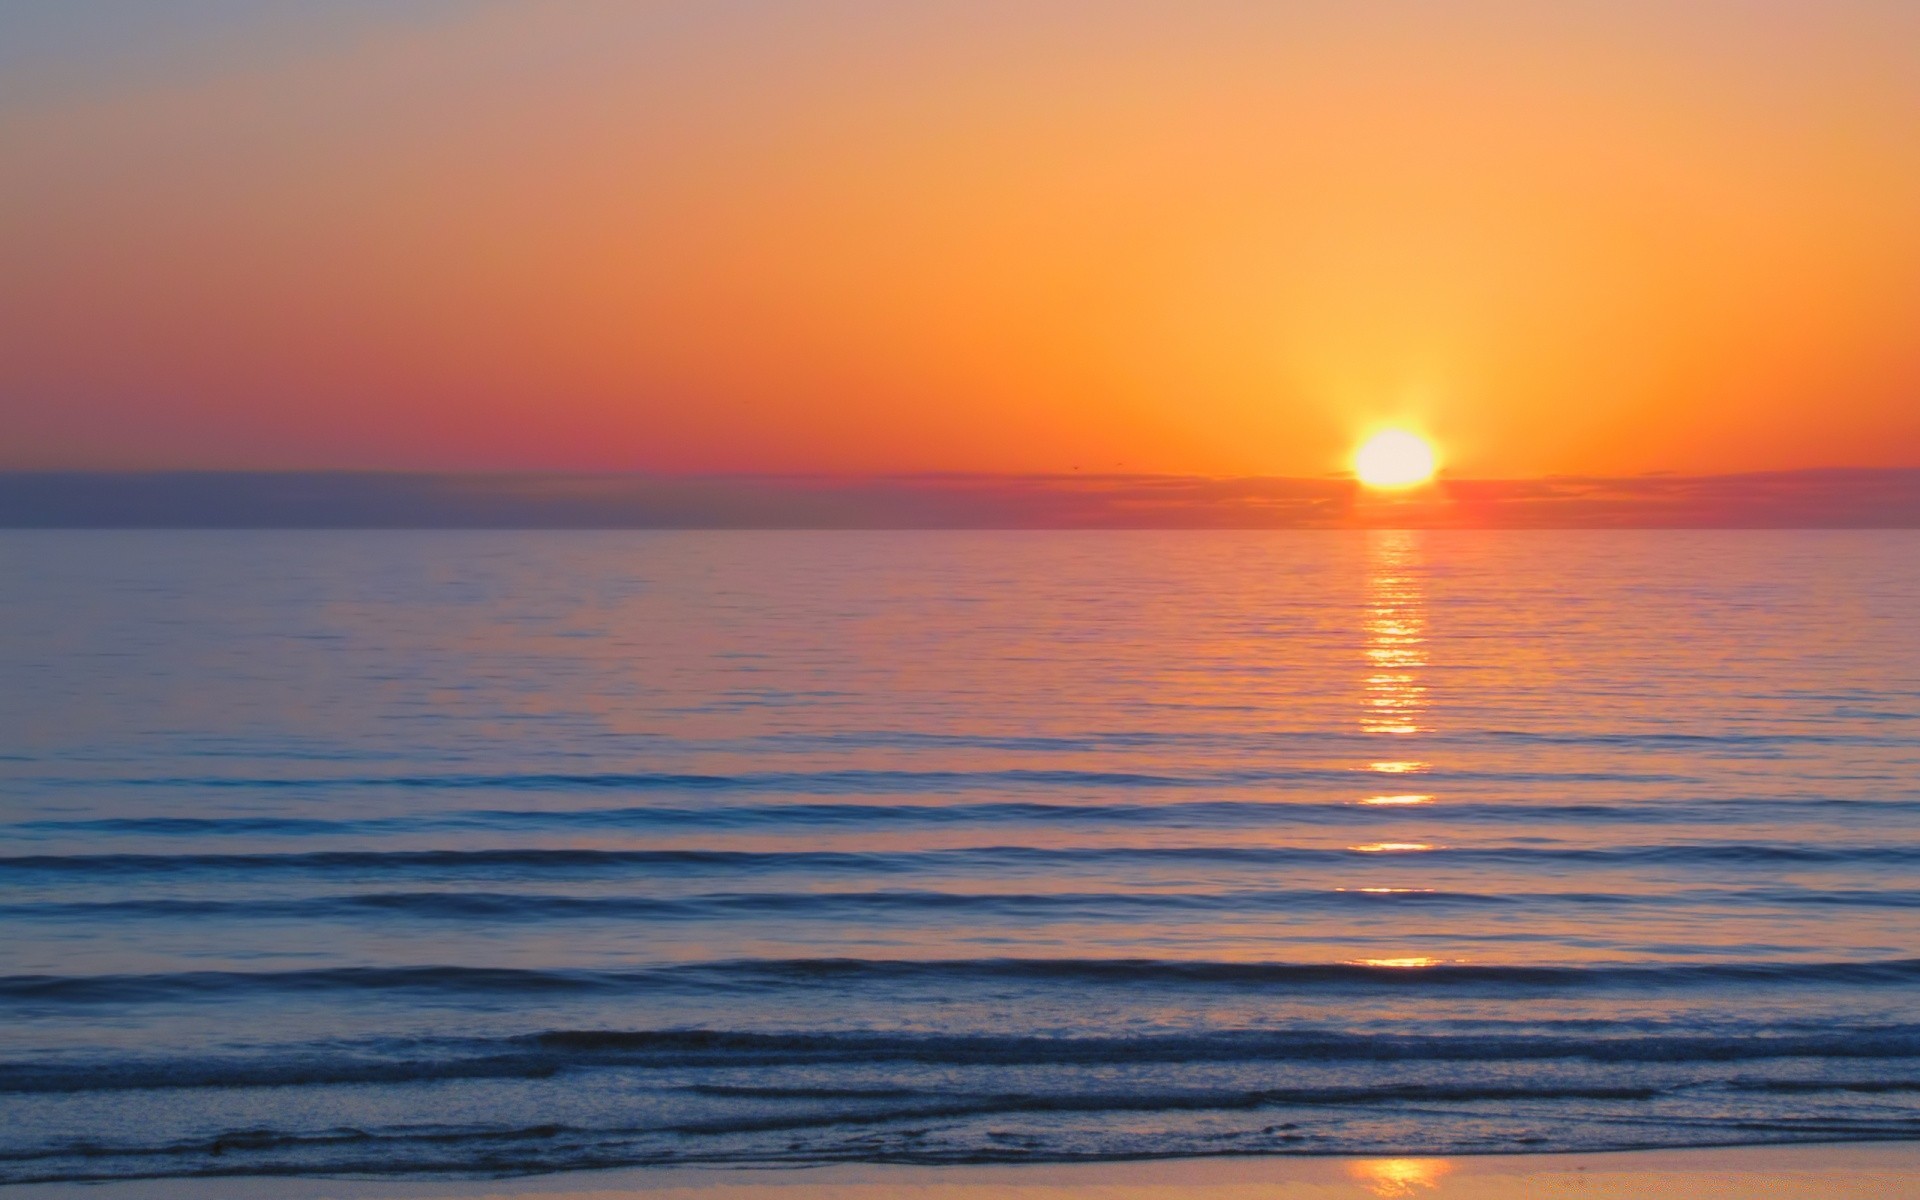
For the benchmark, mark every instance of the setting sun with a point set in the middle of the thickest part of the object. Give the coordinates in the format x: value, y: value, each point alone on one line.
x: 960, y: 598
x: 1394, y: 458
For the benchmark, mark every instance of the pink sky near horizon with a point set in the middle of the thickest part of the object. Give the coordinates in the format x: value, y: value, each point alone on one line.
x: 1211, y: 238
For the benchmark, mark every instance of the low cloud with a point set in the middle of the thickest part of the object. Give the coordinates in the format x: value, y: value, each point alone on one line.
x: 257, y: 500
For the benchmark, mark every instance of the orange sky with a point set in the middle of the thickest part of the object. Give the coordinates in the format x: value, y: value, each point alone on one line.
x: 1202, y: 237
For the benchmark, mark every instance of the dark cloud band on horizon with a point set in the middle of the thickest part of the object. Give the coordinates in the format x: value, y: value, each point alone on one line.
x: 1840, y: 498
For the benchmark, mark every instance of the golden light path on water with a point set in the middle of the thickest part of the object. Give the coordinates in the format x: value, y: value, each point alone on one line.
x: 1397, y: 767
x: 1395, y: 628
x: 1394, y: 700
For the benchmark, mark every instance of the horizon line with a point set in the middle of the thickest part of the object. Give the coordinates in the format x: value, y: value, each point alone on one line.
x: 1813, y: 498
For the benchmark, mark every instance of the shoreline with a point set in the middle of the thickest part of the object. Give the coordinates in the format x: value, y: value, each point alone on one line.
x: 1801, y: 1171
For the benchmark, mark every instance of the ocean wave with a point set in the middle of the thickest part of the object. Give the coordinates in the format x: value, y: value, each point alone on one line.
x: 1685, y: 741
x: 934, y: 1135
x: 1158, y: 1101
x: 828, y: 862
x: 542, y: 1055
x: 513, y: 906
x: 720, y: 1048
x: 810, y: 1124
x: 264, y: 1150
x: 465, y: 980
x: 845, y: 782
x: 534, y: 907
x: 1176, y: 814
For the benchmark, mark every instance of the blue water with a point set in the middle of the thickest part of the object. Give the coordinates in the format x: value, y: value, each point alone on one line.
x: 446, y: 853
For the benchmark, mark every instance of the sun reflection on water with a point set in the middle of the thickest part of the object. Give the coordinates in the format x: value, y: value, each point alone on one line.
x: 1395, y: 626
x: 1393, y: 703
x: 1398, y: 767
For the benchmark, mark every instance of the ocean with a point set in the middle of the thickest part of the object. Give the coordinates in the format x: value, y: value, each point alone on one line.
x: 475, y: 853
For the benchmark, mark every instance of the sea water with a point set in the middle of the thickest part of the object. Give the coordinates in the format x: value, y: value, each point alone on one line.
x: 478, y: 852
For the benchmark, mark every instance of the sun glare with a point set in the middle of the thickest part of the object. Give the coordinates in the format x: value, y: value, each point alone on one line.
x: 1400, y: 1176
x: 1394, y: 458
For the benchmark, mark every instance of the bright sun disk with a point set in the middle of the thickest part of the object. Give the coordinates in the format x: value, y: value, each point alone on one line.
x: 1394, y: 458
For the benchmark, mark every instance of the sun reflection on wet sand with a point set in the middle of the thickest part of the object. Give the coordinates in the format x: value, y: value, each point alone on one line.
x: 1400, y: 1176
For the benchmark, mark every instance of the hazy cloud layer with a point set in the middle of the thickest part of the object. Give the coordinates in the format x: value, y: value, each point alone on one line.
x: 1813, y: 499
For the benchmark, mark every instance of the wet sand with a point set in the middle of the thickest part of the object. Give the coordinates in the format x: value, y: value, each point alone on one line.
x: 1881, y: 1171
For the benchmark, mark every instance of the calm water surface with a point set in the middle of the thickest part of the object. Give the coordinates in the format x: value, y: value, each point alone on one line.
x: 500, y: 852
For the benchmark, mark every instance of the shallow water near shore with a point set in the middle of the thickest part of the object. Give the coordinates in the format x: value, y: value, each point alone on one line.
x: 415, y: 854
x: 1860, y: 1171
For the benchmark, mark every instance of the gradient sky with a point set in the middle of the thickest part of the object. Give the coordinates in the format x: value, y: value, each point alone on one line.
x: 1201, y: 237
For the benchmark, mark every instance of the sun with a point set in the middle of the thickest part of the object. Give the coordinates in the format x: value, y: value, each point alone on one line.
x: 1394, y: 458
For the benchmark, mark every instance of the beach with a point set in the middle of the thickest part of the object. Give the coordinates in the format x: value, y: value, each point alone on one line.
x: 1874, y: 1171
